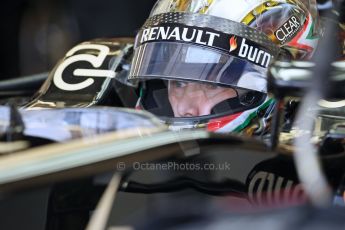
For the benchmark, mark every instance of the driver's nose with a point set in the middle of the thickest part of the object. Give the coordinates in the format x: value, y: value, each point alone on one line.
x: 187, y: 110
x: 193, y: 103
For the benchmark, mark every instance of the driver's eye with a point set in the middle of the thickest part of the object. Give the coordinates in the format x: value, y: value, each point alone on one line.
x: 179, y: 84
x: 211, y: 86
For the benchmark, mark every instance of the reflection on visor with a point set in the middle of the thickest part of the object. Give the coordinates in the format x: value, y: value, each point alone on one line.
x: 179, y: 61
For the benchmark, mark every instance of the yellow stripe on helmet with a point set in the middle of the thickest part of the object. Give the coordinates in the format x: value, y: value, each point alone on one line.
x: 252, y: 15
x: 200, y: 6
x: 182, y: 5
x: 205, y: 8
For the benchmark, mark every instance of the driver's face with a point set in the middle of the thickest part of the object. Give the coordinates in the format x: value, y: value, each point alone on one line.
x: 189, y: 99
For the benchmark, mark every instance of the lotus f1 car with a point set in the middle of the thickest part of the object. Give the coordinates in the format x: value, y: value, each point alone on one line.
x: 72, y: 156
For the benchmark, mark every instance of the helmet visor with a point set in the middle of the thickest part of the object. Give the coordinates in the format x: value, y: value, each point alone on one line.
x: 180, y: 61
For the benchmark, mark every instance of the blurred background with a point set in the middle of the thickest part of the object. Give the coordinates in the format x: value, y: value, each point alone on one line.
x: 37, y: 33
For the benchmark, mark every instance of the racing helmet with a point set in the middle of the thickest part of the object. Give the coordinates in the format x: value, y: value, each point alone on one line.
x: 203, y: 63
